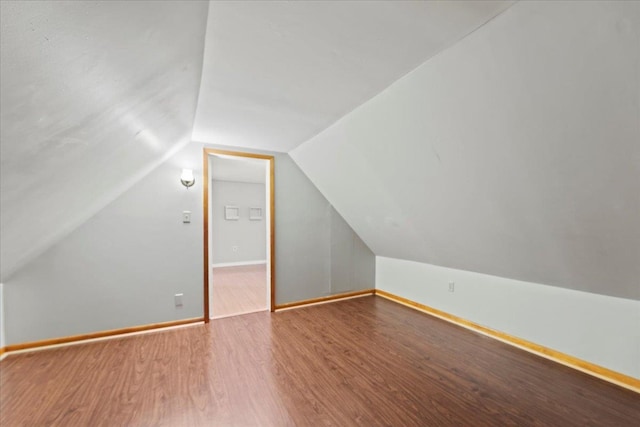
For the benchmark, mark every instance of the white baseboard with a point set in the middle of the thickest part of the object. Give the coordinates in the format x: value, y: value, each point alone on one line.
x: 237, y: 264
x: 596, y: 328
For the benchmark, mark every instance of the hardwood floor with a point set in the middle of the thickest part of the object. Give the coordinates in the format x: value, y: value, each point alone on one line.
x: 365, y: 361
x: 238, y: 290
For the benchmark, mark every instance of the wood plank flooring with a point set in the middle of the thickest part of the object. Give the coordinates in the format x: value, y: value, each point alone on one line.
x: 365, y: 361
x: 237, y: 290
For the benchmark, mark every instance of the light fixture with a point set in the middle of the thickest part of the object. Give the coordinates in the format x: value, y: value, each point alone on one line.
x: 187, y: 179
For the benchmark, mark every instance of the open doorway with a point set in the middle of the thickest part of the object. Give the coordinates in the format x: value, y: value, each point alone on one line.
x: 238, y: 233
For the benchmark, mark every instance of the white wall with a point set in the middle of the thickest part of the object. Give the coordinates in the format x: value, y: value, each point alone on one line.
x: 308, y: 230
x: 123, y: 266
x: 247, y: 236
x: 120, y: 268
x: 600, y: 329
x: 514, y: 152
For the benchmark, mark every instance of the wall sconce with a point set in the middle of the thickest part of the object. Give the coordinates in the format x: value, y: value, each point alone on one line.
x: 187, y: 179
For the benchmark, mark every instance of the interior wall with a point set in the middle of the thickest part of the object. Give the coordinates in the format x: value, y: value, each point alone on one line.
x: 120, y: 268
x: 123, y: 266
x: 596, y: 328
x: 514, y: 152
x: 307, y: 237
x: 352, y: 266
x: 248, y: 237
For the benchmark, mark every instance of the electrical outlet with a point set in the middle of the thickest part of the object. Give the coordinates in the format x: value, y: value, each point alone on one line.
x: 178, y: 299
x: 452, y: 286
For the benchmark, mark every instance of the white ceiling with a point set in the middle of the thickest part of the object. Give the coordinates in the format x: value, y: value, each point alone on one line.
x: 276, y: 73
x: 238, y: 169
x: 93, y: 95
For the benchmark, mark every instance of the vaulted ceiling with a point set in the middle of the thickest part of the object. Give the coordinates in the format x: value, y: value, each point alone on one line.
x: 511, y: 150
x: 278, y: 72
x: 95, y: 94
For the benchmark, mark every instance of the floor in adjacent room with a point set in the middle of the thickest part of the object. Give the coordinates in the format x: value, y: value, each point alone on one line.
x: 365, y: 361
x: 238, y: 290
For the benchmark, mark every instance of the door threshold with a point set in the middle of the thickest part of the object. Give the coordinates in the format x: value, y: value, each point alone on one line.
x: 239, y: 314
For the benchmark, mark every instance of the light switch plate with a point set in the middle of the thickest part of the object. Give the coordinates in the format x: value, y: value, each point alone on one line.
x: 186, y: 217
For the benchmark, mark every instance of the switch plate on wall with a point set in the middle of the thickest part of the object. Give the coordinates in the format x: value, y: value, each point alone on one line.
x: 452, y: 286
x: 186, y: 217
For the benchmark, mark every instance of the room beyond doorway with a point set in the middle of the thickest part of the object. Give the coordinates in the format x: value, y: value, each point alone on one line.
x: 238, y: 233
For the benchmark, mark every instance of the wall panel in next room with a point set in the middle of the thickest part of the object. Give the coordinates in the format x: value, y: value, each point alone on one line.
x: 243, y: 239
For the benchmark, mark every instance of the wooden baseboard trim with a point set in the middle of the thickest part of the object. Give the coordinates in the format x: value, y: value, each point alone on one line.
x: 601, y: 372
x: 112, y: 333
x: 322, y: 300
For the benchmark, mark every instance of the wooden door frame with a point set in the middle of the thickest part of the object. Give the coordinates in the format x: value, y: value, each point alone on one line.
x: 272, y: 222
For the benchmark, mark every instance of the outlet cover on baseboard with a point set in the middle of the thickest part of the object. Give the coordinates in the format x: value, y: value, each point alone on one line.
x: 178, y: 299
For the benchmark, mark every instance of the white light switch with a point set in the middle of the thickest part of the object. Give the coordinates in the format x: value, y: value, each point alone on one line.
x: 178, y: 300
x: 186, y: 216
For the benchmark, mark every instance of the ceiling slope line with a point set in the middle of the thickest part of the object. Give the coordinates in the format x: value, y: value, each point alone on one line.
x: 81, y: 128
x: 276, y: 74
x: 438, y: 53
x: 93, y: 211
x: 505, y: 195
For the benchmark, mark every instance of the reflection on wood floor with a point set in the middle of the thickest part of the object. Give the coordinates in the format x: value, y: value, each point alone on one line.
x: 238, y: 290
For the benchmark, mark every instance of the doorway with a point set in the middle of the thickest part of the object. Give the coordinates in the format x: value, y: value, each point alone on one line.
x: 239, y: 247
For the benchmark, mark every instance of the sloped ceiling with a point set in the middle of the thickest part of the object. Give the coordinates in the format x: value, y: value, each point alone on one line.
x: 93, y: 95
x: 278, y: 72
x: 513, y: 151
x: 516, y: 152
